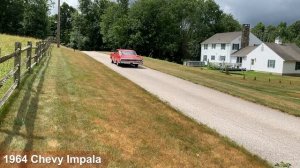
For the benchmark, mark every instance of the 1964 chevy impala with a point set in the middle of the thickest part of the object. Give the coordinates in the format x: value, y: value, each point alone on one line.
x: 129, y: 57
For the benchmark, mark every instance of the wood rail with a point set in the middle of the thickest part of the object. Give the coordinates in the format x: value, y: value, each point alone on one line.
x: 16, y: 71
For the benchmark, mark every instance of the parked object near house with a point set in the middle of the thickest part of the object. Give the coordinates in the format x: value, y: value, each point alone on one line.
x: 193, y: 63
x: 219, y: 48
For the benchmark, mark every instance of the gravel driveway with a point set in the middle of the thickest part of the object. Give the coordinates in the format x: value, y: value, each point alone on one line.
x: 268, y: 133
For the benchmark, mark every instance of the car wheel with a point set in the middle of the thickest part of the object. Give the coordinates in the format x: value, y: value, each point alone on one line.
x: 112, y: 61
x: 136, y: 65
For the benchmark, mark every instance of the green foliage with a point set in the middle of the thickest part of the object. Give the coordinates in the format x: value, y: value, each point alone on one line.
x: 289, y: 34
x: 171, y: 30
x: 11, y: 16
x: 28, y: 17
x: 66, y: 22
x: 282, y: 165
x: 36, y: 21
x: 87, y: 23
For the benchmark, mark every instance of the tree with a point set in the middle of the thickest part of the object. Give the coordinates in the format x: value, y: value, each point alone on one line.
x: 36, y: 20
x: 114, y: 27
x: 294, y: 31
x: 171, y: 30
x: 259, y: 31
x: 229, y: 24
x: 270, y: 33
x: 66, y: 22
x: 89, y: 25
x: 11, y: 16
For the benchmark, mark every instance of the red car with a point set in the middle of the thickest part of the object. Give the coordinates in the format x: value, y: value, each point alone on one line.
x: 128, y: 57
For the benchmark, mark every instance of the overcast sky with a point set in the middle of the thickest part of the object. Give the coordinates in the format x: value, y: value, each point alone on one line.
x: 251, y: 11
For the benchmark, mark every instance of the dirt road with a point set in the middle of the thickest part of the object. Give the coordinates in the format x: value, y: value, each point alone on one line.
x: 268, y: 133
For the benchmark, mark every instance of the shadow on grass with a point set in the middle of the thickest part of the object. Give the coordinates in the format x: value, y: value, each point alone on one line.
x: 27, y: 110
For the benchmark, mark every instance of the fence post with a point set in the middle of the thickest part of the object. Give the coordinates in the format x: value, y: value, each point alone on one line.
x: 29, y: 53
x: 36, y: 52
x: 17, y: 63
x: 44, y: 48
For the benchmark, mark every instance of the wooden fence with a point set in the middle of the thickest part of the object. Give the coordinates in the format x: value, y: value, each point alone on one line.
x: 21, y: 62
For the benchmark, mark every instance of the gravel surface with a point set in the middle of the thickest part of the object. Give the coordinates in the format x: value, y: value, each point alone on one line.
x: 268, y: 133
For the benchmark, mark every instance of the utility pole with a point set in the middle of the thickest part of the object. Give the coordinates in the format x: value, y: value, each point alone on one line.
x: 58, y: 26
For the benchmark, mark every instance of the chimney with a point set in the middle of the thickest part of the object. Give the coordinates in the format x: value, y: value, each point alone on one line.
x: 278, y: 40
x: 245, y: 36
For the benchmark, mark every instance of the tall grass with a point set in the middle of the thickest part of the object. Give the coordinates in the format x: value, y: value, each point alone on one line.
x: 7, y: 46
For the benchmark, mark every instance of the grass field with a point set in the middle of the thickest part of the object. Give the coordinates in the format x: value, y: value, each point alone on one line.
x: 7, y: 43
x: 7, y: 46
x: 74, y: 103
x: 281, y: 92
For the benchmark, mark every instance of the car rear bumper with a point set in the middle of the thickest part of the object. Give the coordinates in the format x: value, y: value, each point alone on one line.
x: 133, y: 62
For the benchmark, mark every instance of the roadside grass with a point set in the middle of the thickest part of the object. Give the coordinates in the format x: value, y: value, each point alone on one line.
x: 275, y: 91
x: 7, y: 46
x: 74, y: 103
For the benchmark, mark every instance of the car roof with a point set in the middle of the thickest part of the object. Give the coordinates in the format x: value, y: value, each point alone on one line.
x: 124, y: 50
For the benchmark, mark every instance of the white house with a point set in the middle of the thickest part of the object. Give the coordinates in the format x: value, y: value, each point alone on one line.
x: 219, y: 48
x: 272, y: 57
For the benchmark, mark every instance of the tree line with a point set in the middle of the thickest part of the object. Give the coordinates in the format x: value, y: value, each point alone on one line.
x: 167, y: 29
x: 25, y: 17
x: 288, y: 33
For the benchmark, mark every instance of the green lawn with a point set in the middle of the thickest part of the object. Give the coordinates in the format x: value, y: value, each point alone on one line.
x: 71, y: 103
x: 281, y: 92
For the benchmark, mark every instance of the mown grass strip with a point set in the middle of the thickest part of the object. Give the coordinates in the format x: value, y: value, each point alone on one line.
x: 278, y: 92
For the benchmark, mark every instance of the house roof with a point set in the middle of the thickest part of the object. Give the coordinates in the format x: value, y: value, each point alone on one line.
x: 222, y: 38
x: 244, y: 52
x: 288, y: 52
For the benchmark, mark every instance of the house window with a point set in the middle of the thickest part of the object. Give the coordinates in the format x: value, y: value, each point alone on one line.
x: 214, y: 46
x: 223, y: 46
x: 239, y: 60
x: 205, y: 58
x: 205, y: 46
x: 271, y: 63
x: 297, y: 66
x: 222, y: 58
x: 213, y: 58
x: 235, y: 46
x: 252, y: 61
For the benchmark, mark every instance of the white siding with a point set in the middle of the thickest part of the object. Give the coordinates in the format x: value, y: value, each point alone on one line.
x: 228, y: 51
x: 289, y: 68
x: 261, y: 55
x: 217, y: 52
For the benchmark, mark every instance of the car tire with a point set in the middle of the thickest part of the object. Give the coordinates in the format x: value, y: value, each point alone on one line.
x: 136, y: 65
x: 112, y: 61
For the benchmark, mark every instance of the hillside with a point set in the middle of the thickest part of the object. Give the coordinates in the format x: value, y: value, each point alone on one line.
x: 7, y: 42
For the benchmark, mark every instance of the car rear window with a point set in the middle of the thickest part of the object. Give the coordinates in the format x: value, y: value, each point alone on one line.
x: 128, y: 52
